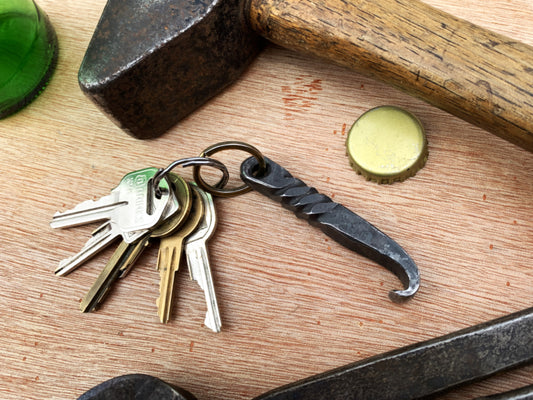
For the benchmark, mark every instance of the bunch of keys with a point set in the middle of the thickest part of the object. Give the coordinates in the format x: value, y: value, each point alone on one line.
x: 181, y: 216
x: 156, y: 205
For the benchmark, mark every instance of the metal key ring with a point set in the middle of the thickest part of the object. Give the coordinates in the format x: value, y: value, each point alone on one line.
x: 195, y: 162
x: 218, y: 190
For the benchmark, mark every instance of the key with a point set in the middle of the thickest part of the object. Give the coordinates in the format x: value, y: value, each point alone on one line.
x: 198, y: 260
x: 185, y: 198
x: 127, y: 254
x: 120, y: 208
x: 168, y: 259
x: 126, y: 205
x: 101, y: 238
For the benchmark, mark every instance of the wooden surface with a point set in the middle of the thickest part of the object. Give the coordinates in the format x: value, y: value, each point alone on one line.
x: 293, y: 303
x: 447, y: 61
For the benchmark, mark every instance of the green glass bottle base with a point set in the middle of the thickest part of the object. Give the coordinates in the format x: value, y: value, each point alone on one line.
x: 32, y: 93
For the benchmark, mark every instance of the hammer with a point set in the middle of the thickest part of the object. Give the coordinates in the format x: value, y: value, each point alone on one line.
x: 151, y: 63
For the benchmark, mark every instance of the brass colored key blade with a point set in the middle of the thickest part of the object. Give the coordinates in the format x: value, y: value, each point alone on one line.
x: 169, y: 257
x: 168, y: 263
x: 124, y: 256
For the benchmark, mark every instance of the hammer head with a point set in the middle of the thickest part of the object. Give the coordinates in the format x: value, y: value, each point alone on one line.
x: 152, y: 62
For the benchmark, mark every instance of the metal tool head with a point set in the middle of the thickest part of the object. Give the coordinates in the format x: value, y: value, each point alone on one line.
x: 151, y: 63
x: 136, y: 387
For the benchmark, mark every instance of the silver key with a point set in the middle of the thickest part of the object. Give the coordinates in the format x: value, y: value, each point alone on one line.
x: 117, y: 214
x: 103, y: 237
x: 198, y: 260
x: 127, y: 206
x: 100, y: 239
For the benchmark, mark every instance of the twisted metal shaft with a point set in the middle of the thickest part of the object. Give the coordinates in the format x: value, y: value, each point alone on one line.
x: 335, y: 220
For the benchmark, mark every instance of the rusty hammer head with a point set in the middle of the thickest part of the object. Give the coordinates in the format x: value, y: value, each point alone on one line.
x: 152, y: 62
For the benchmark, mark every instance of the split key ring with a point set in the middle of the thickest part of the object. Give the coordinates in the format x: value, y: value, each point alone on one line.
x: 219, y: 189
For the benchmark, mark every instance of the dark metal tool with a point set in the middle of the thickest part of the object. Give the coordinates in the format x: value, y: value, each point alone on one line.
x: 136, y: 387
x: 412, y: 372
x: 525, y: 393
x: 426, y: 368
x: 335, y: 220
x: 151, y: 63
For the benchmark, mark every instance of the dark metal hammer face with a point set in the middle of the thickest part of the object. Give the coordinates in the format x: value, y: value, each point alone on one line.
x: 152, y: 62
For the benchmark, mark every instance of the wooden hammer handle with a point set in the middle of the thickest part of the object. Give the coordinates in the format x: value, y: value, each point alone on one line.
x: 480, y: 76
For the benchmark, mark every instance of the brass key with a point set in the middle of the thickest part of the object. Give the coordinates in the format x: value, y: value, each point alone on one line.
x: 169, y: 257
x: 126, y: 254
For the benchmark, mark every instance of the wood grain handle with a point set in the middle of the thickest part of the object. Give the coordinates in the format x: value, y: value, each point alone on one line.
x: 478, y: 75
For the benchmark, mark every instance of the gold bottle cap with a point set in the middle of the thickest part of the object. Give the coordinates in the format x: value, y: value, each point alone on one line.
x: 387, y: 144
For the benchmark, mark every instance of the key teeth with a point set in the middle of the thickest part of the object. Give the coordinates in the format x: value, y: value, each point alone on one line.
x: 161, y: 312
x: 200, y: 272
x: 165, y: 258
x: 161, y: 309
x: 102, y: 237
x: 84, y: 213
x: 213, y: 325
x: 78, y: 207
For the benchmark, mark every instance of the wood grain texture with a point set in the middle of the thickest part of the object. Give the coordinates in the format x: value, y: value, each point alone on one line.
x: 293, y: 303
x: 480, y: 76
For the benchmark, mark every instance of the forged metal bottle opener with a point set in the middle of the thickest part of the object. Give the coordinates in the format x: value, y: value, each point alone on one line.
x: 411, y: 372
x: 335, y: 220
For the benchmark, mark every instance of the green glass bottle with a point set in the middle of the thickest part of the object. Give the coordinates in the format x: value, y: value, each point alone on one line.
x: 28, y: 53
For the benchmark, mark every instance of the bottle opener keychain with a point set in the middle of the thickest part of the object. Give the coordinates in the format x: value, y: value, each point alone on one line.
x: 156, y: 205
x: 338, y: 222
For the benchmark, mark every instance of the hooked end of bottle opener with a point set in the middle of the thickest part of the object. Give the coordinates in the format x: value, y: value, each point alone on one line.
x: 399, y: 296
x: 407, y: 271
